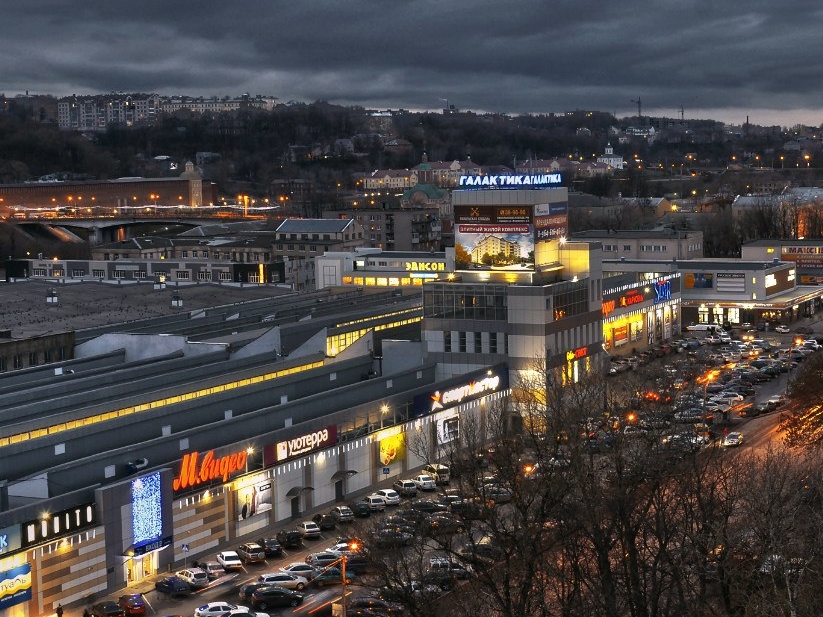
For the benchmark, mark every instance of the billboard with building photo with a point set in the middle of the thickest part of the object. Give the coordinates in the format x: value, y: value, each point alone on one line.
x: 494, y: 237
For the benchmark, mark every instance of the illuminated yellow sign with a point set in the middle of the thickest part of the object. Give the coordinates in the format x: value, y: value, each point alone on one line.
x: 425, y: 266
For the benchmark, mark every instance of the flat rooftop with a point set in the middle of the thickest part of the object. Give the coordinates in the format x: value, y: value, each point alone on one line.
x: 90, y: 304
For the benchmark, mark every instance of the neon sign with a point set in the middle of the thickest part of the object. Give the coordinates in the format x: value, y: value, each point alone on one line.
x: 425, y: 266
x: 211, y: 468
x: 576, y: 354
x: 512, y: 180
x: 662, y: 291
x: 306, y: 443
x: 456, y: 395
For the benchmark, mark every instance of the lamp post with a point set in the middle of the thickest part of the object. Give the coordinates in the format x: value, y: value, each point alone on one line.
x: 384, y: 410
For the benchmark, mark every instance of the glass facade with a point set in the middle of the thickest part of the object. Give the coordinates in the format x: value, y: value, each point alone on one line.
x: 451, y: 301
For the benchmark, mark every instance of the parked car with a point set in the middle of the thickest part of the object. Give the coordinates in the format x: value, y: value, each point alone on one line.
x: 389, y: 495
x: 782, y: 329
x: 326, y: 522
x: 284, y: 579
x: 497, y: 494
x: 247, y: 590
x: 195, y: 577
x: 376, y: 606
x: 290, y: 538
x: 424, y: 482
x: 109, y: 608
x: 172, y: 585
x: 332, y: 576
x: 440, y: 473
x: 212, y: 569
x: 321, y: 560
x: 445, y: 523
x: 214, y: 609
x: 309, y: 530
x: 274, y: 595
x: 428, y: 506
x: 406, y: 488
x: 251, y: 552
x: 271, y: 547
x: 230, y: 560
x: 342, y: 514
x: 392, y: 536
x: 132, y: 604
x: 300, y: 568
x: 376, y: 503
x: 360, y: 508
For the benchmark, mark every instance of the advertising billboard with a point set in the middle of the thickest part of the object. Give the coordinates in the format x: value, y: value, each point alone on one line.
x: 391, y: 449
x: 15, y: 586
x: 252, y: 500
x: 494, y: 237
x: 448, y: 429
x: 698, y: 280
x: 146, y: 509
x: 297, y: 446
x: 551, y: 221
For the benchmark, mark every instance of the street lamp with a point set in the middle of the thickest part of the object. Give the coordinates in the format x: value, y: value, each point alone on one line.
x: 384, y: 410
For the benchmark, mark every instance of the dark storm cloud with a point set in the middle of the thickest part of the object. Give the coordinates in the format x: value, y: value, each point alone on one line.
x: 529, y: 56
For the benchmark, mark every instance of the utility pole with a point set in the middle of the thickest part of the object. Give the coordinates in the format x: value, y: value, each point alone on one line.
x: 639, y: 108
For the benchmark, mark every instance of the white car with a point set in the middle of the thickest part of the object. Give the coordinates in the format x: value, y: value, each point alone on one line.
x: 732, y: 440
x: 230, y: 560
x: 782, y: 329
x: 309, y: 529
x: 424, y: 482
x: 195, y: 577
x: 376, y: 503
x: 730, y: 398
x: 213, y: 609
x: 300, y: 568
x: 285, y: 579
x: 389, y: 495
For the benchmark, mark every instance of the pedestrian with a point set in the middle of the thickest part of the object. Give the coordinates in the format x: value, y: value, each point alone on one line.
x: 59, y: 610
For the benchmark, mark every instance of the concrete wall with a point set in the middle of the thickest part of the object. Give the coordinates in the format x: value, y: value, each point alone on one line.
x: 138, y: 346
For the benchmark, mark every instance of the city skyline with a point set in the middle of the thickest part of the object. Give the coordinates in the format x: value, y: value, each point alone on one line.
x: 699, y: 60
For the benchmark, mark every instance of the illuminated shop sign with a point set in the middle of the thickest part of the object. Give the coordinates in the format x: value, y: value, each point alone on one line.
x: 576, y: 354
x: 481, y: 384
x: 425, y: 266
x: 59, y: 524
x: 511, y: 180
x: 306, y: 443
x: 152, y: 546
x: 9, y: 539
x: 195, y: 470
x: 15, y: 586
x: 662, y: 291
x: 630, y: 298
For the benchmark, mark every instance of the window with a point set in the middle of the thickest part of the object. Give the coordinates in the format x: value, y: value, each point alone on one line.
x: 182, y: 275
x: 38, y: 272
x: 478, y: 342
x: 18, y: 361
x: 225, y: 276
x: 627, y: 247
x: 47, y: 356
x: 106, y: 257
x: 98, y: 274
x: 462, y: 341
x: 313, y: 248
x: 204, y: 275
x: 492, y: 342
x: 76, y: 274
x: 3, y: 367
x: 57, y: 272
x: 205, y: 254
x: 194, y: 254
x: 119, y: 274
x: 291, y: 247
x: 32, y: 358
x: 139, y: 274
x: 447, y: 341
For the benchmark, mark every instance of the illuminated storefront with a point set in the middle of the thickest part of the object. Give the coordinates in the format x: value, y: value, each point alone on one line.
x: 638, y: 314
x: 376, y: 268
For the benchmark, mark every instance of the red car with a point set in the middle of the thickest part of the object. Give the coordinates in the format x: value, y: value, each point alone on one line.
x: 132, y: 604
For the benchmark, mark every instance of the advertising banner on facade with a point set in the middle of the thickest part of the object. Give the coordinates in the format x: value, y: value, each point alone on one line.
x: 448, y: 429
x: 15, y: 586
x: 698, y: 280
x: 253, y: 500
x: 391, y: 449
x: 494, y: 237
x: 302, y: 444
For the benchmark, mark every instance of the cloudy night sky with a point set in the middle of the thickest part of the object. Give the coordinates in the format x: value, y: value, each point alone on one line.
x: 722, y: 60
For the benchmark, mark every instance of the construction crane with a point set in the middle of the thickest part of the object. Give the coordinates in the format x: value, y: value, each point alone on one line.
x: 682, y: 113
x: 639, y: 108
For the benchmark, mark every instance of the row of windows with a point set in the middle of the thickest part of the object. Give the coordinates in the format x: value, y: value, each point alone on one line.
x: 473, y: 342
x: 228, y: 256
x: 35, y: 358
x: 148, y: 406
x: 571, y: 299
x: 653, y: 248
x: 300, y: 247
x: 180, y: 275
x: 487, y: 302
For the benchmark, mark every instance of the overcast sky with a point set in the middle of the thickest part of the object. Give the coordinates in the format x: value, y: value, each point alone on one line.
x: 718, y: 59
